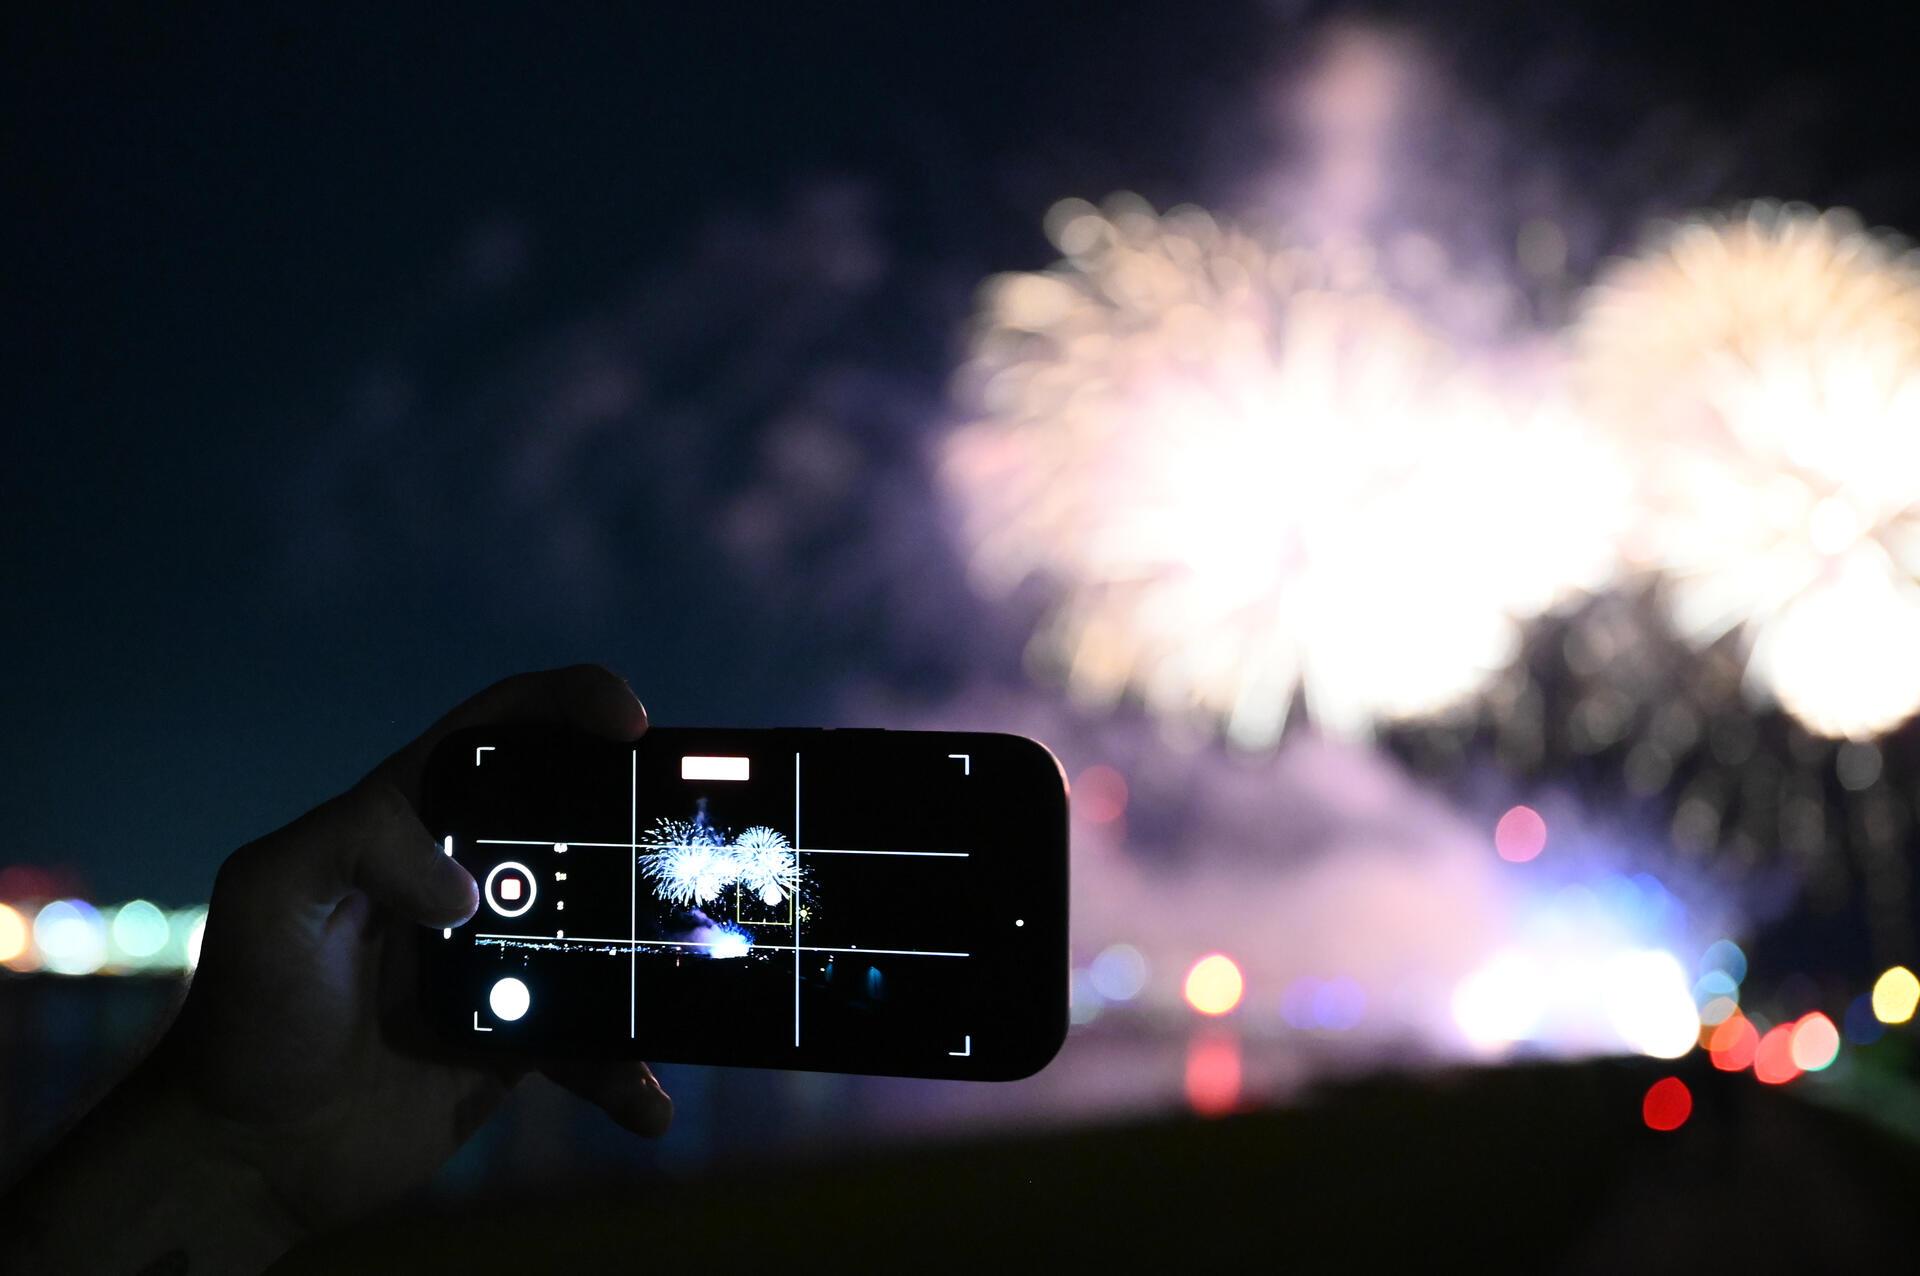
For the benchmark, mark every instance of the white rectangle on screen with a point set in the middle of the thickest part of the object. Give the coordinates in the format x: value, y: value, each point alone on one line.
x: 697, y: 768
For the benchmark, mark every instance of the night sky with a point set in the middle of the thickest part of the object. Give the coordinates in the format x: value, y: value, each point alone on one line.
x: 290, y: 297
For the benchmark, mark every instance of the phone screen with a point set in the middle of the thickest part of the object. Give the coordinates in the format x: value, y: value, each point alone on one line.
x: 849, y: 901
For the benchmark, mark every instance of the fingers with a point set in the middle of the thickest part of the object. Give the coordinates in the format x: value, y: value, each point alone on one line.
x: 368, y: 840
x: 588, y: 697
x: 627, y: 1092
x: 391, y: 858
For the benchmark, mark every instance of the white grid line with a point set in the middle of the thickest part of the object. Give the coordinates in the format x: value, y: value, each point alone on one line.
x: 687, y: 846
x: 695, y: 943
x: 633, y: 898
x: 796, y: 905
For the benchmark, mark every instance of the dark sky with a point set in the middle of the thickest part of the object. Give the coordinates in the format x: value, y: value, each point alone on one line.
x: 227, y: 595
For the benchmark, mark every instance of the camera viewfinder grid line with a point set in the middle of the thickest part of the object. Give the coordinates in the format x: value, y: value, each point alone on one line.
x: 633, y: 895
x: 796, y: 903
x: 701, y: 943
x: 681, y: 846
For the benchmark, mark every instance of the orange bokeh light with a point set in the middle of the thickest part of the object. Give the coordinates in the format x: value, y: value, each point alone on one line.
x: 1733, y: 1042
x: 13, y: 934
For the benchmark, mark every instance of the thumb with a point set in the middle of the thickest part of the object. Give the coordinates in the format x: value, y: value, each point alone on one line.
x: 382, y: 850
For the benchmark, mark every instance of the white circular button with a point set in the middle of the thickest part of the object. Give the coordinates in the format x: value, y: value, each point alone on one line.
x: 509, y: 999
x: 512, y: 895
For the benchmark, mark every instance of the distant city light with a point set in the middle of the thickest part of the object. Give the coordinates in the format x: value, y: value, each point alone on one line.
x: 1119, y: 972
x: 1895, y: 996
x: 139, y: 930
x: 1214, y: 985
x: 1084, y: 1002
x: 1520, y: 835
x: 196, y: 934
x: 14, y: 935
x: 1724, y: 955
x: 1501, y: 1002
x: 1773, y: 1058
x: 1815, y: 1044
x: 1650, y: 1003
x: 71, y: 938
x: 1667, y: 1105
x: 1861, y: 1025
x: 1732, y: 1044
x: 1100, y: 794
x: 1214, y: 1074
x: 1716, y: 984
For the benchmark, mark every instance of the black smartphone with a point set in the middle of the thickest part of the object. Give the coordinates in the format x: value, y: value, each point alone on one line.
x: 828, y: 900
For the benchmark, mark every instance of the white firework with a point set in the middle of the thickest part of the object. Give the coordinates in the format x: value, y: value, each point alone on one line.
x: 690, y: 864
x: 766, y: 864
x: 1763, y: 371
x: 1253, y: 473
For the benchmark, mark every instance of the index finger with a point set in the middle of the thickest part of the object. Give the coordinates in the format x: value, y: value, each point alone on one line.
x: 592, y: 698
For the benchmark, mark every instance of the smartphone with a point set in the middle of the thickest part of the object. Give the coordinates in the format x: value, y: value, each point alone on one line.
x: 827, y: 900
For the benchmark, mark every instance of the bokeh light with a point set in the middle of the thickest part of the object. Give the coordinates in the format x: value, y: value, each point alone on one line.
x: 1499, y: 1003
x: 1651, y: 1004
x: 1725, y: 956
x: 1815, y: 1044
x: 1100, y: 794
x: 139, y: 931
x: 1860, y: 1025
x: 1667, y: 1104
x: 1762, y: 372
x: 1773, y: 1057
x: 196, y: 933
x: 1733, y: 1043
x: 1214, y: 1074
x: 1119, y: 973
x: 1895, y: 995
x: 1520, y: 835
x: 14, y: 935
x: 71, y: 937
x: 1214, y: 985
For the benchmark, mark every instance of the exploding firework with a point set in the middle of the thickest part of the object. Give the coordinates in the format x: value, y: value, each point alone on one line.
x: 766, y: 864
x: 690, y: 863
x: 1254, y: 473
x: 1763, y: 372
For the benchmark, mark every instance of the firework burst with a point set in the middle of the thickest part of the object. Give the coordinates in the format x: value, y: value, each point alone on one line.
x: 766, y: 864
x: 689, y: 863
x: 1763, y: 371
x: 1254, y: 474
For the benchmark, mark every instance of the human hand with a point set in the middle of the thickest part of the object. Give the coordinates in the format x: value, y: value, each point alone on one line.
x: 294, y: 1071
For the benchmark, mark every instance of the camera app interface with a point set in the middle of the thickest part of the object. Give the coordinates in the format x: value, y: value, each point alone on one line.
x: 813, y: 899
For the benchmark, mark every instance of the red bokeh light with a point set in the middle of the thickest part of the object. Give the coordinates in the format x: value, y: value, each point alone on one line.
x: 1213, y: 1075
x: 1667, y: 1105
x: 1100, y: 794
x: 1520, y: 835
x: 1733, y: 1042
x: 1773, y: 1060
